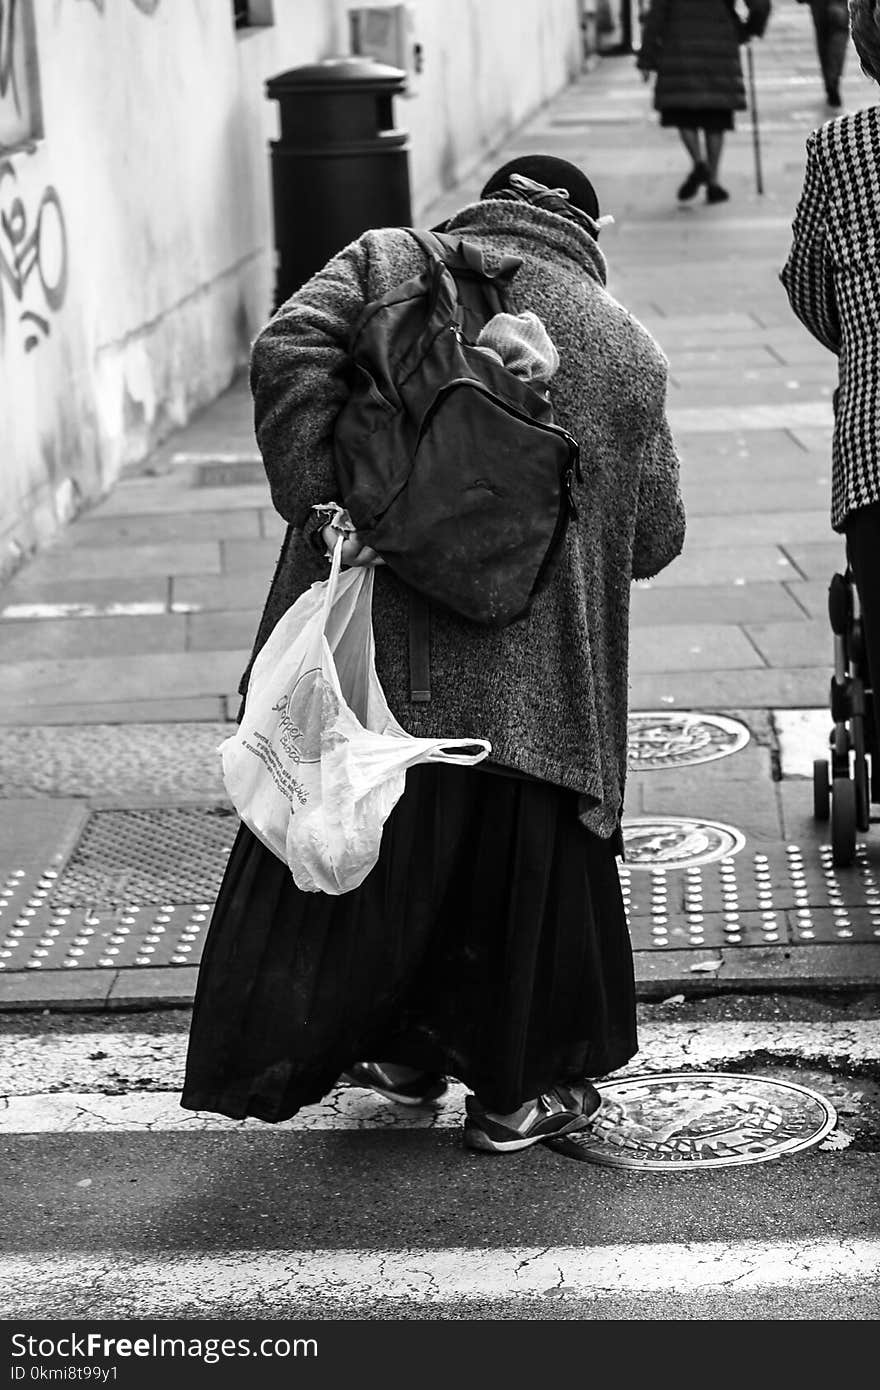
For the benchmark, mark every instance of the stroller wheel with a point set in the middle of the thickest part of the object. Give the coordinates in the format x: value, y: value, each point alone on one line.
x: 863, y: 795
x: 843, y: 821
x: 821, y: 790
x: 840, y: 604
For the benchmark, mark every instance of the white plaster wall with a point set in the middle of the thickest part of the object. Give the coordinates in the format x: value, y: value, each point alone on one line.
x: 159, y: 269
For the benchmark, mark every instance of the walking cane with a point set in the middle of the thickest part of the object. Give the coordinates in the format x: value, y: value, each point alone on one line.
x: 756, y: 136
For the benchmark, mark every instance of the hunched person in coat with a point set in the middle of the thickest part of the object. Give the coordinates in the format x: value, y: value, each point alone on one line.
x: 490, y: 942
x: 832, y: 278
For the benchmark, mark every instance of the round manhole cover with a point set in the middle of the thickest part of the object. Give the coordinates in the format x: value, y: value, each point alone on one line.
x: 683, y: 1120
x: 677, y: 842
x: 667, y: 738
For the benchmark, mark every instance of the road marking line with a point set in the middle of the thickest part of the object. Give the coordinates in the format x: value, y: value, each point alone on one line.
x: 150, y: 1287
x: 131, y: 1080
x: 346, y: 1108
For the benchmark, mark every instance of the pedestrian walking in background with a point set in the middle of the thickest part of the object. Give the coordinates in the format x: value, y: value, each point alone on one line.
x: 693, y: 48
x: 832, y: 281
x: 490, y: 942
x: 831, y: 28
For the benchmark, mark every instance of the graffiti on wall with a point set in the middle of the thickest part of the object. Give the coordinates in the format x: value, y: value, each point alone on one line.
x: 33, y: 258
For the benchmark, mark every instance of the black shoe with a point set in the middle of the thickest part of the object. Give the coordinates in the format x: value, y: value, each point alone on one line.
x: 694, y: 181
x: 424, y: 1089
x: 716, y: 194
x: 564, y: 1110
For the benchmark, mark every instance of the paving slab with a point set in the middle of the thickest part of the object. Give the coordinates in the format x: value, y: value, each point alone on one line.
x: 106, y: 679
x: 250, y: 556
x: 816, y: 440
x: 750, y: 807
x: 725, y: 564
x: 218, y: 631
x: 174, y: 985
x: 707, y: 497
x: 97, y: 596
x: 748, y: 689
x: 802, y: 736
x: 749, y: 528
x: 818, y: 559
x: 809, y: 642
x: 107, y: 562
x: 142, y: 498
x: 60, y: 989
x: 695, y: 647
x: 273, y: 527
x: 715, y: 604
x: 166, y: 528
x: 30, y: 640
x: 224, y: 592
x: 777, y: 445
x: 207, y: 708
x: 36, y: 832
x: 787, y: 415
x: 744, y: 398
x: 811, y: 595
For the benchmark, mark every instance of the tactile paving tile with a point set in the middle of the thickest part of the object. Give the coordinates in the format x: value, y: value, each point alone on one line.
x: 776, y: 896
x: 139, y: 887
x: 137, y: 890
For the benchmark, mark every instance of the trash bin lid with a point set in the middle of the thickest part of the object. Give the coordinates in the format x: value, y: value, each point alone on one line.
x: 353, y: 70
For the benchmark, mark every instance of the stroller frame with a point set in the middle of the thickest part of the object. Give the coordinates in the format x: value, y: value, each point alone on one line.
x: 846, y: 784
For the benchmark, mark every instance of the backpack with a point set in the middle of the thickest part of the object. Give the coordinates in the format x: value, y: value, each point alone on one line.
x: 450, y: 466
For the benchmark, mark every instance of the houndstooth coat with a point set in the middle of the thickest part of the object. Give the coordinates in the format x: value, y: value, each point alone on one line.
x: 832, y: 278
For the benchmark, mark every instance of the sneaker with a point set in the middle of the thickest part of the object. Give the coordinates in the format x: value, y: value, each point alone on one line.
x: 422, y: 1090
x: 564, y: 1110
x: 716, y: 194
x: 695, y: 179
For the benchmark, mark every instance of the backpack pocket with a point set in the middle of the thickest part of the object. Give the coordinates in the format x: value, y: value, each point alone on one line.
x: 476, y: 526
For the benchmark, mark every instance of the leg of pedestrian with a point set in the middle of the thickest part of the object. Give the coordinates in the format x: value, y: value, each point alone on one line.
x: 715, y: 146
x: 699, y: 173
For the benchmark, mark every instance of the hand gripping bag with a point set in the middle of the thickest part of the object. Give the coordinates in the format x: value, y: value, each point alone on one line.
x: 319, y: 761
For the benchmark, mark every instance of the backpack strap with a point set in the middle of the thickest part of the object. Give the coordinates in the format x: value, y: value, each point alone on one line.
x: 419, y: 648
x: 481, y: 293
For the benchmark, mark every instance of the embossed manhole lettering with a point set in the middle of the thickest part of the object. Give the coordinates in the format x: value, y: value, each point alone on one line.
x: 667, y: 738
x: 683, y: 1120
x: 677, y: 842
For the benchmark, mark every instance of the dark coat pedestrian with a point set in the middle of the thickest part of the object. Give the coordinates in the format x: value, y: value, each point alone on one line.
x: 693, y: 46
x: 489, y: 943
x: 831, y: 30
x: 832, y: 278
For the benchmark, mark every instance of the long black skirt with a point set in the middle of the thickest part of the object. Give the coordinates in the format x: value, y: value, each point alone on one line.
x: 489, y: 943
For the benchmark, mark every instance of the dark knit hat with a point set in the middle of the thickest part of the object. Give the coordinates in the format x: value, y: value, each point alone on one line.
x: 553, y: 173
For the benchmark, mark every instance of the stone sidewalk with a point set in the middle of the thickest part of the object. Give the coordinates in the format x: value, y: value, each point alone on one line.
x: 122, y: 643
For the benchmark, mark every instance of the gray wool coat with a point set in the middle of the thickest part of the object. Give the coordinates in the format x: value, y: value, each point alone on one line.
x: 550, y: 690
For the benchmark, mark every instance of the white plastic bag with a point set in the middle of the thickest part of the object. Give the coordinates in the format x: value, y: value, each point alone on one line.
x: 319, y: 761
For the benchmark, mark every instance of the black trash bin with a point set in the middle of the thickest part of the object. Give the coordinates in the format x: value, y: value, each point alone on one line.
x: 339, y: 167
